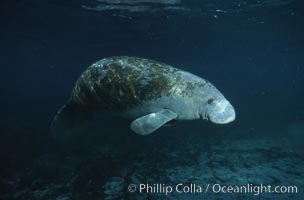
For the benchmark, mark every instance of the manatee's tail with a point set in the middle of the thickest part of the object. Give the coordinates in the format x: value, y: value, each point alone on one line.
x: 70, y: 120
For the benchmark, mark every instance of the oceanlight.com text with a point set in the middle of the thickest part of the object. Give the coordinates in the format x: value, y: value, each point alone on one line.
x: 193, y: 188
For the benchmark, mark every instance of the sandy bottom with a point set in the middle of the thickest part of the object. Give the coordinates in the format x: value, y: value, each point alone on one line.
x: 106, y: 172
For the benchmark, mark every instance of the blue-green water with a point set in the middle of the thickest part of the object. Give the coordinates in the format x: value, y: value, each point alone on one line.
x: 252, y: 51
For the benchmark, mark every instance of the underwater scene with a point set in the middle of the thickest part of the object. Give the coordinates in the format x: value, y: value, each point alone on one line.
x: 152, y: 99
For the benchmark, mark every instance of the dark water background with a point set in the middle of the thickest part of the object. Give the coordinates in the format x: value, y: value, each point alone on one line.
x: 254, y: 57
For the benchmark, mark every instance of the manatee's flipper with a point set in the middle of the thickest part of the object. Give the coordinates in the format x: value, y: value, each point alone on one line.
x: 149, y: 123
x: 70, y: 120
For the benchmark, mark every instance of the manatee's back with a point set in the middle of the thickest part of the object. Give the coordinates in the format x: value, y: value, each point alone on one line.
x: 122, y: 83
x: 114, y: 84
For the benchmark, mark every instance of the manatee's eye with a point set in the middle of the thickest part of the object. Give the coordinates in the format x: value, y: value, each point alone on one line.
x: 210, y: 101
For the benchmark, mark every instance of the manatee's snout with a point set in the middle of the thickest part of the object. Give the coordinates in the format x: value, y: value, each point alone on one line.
x: 222, y: 112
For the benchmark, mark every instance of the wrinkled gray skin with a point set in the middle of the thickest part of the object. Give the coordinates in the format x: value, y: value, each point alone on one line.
x: 148, y: 92
x: 218, y: 111
x: 206, y: 102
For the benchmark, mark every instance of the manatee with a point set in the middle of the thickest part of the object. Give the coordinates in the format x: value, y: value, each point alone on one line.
x: 150, y: 93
